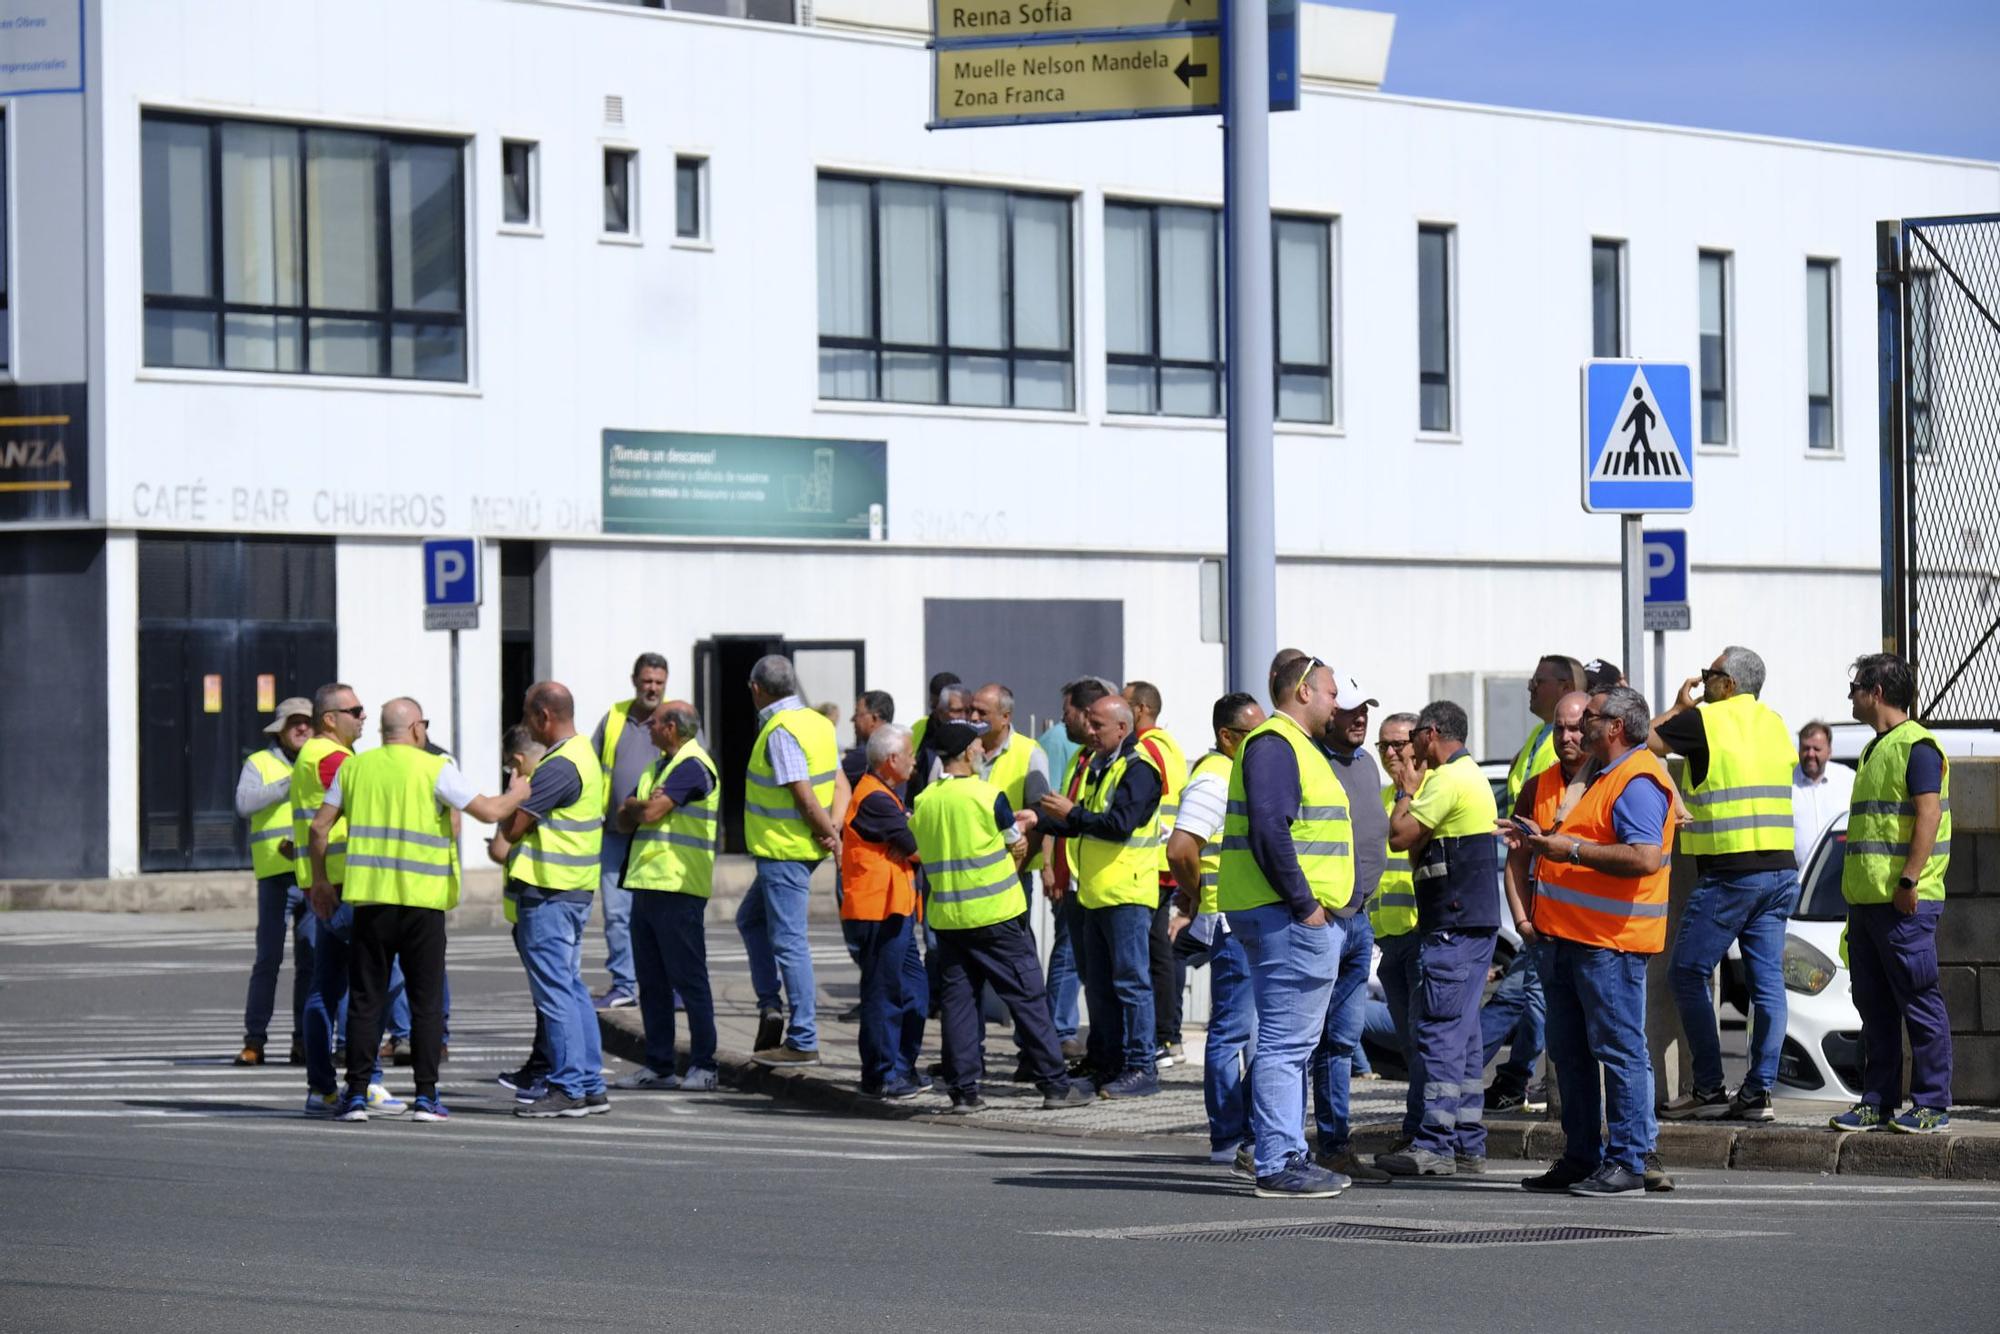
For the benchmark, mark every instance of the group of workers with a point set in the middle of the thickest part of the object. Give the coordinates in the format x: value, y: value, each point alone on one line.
x: 1283, y: 855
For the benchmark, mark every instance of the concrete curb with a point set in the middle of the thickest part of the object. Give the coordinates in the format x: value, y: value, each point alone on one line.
x: 1683, y: 1145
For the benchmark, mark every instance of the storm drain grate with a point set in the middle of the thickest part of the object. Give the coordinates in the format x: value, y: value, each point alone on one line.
x: 1484, y: 1236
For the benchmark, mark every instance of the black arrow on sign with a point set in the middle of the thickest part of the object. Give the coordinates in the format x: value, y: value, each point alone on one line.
x: 1187, y: 73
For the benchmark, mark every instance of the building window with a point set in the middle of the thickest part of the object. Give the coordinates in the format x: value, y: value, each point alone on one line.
x: 6, y: 346
x: 1714, y: 347
x: 1821, y: 432
x: 299, y: 249
x: 944, y: 294
x: 520, y: 183
x: 1607, y: 298
x: 1434, y: 349
x: 621, y: 192
x: 691, y: 198
x: 1164, y: 286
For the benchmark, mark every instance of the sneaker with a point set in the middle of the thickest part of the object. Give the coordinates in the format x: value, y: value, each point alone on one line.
x: 394, y: 1051
x: 966, y: 1103
x: 297, y: 1055
x: 429, y: 1109
x: 524, y: 1078
x: 770, y: 1030
x: 1557, y: 1180
x: 1348, y: 1165
x: 699, y: 1080
x: 1657, y: 1180
x: 1515, y: 1100
x: 781, y: 1055
x: 1415, y: 1162
x: 1700, y: 1105
x: 252, y: 1054
x: 1166, y: 1054
x: 1861, y: 1116
x: 614, y: 998
x: 1073, y: 1049
x: 1300, y: 1179
x: 851, y: 1015
x: 1470, y: 1164
x: 900, y: 1090
x: 1131, y: 1084
x: 596, y: 1104
x: 1246, y: 1162
x: 1748, y: 1106
x: 1610, y: 1180
x: 353, y: 1107
x: 553, y: 1102
x: 1071, y: 1093
x: 647, y: 1078
x: 322, y: 1104
x: 1022, y: 1075
x: 1921, y: 1121
x: 924, y: 1080
x: 384, y: 1103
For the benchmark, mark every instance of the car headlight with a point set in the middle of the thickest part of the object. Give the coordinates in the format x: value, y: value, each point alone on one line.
x: 1805, y: 969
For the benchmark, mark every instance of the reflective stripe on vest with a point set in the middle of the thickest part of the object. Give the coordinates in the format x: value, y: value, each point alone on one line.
x: 1744, y: 801
x: 271, y: 825
x: 772, y: 826
x: 676, y: 853
x: 563, y: 849
x: 1215, y: 762
x: 399, y: 847
x: 308, y: 794
x: 1573, y: 902
x: 971, y: 874
x: 1109, y: 874
x: 1321, y: 832
x: 1172, y: 763
x: 1393, y: 910
x: 1882, y: 818
x: 614, y: 730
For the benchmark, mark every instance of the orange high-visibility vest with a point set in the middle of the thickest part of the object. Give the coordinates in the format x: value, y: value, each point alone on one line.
x: 1591, y: 908
x: 1549, y: 786
x: 874, y: 886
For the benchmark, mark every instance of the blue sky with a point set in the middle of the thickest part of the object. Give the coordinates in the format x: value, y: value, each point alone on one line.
x: 1921, y: 77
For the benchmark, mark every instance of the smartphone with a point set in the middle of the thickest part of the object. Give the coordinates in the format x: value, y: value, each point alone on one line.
x: 1528, y: 828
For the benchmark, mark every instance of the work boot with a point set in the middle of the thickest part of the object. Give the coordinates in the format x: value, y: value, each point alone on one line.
x: 770, y: 1029
x: 1700, y: 1105
x: 1350, y: 1166
x: 1657, y: 1179
x: 1415, y: 1162
x: 252, y: 1054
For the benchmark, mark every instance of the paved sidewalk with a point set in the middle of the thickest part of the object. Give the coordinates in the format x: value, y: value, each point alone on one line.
x: 1797, y: 1142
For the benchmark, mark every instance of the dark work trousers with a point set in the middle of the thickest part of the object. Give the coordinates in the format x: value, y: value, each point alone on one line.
x: 1166, y: 977
x: 1451, y: 974
x: 1003, y: 957
x: 1894, y: 967
x: 385, y: 933
x: 893, y: 999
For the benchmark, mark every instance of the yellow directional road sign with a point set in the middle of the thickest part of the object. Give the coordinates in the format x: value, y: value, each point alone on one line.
x: 1144, y: 76
x: 956, y: 19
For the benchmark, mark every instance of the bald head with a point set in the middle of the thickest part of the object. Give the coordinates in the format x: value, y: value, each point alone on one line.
x: 1109, y: 721
x: 1284, y: 658
x: 399, y: 719
x: 1567, y: 725
x: 550, y: 712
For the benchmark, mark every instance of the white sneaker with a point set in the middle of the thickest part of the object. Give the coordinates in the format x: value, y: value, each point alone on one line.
x: 383, y: 1103
x: 698, y: 1080
x: 647, y: 1078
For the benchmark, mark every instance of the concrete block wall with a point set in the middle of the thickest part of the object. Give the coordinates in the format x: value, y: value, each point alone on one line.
x: 1969, y: 936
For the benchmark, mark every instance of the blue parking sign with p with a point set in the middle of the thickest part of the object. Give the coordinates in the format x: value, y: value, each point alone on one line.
x: 451, y: 572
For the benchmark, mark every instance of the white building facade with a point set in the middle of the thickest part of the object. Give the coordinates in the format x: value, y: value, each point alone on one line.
x: 326, y: 279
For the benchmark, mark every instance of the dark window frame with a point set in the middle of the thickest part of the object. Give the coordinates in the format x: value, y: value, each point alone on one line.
x: 532, y: 150
x: 388, y: 315
x: 6, y: 235
x: 1616, y: 249
x: 1830, y: 400
x: 1720, y: 393
x: 1448, y: 233
x: 698, y: 164
x: 877, y: 348
x: 629, y: 156
x: 1155, y: 363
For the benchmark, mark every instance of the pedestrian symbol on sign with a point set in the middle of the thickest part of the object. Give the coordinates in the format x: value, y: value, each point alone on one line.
x: 1632, y: 450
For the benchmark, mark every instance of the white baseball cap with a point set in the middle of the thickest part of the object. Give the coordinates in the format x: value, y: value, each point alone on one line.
x: 1348, y: 693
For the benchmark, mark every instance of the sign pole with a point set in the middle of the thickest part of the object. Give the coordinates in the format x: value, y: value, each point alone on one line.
x: 1252, y: 569
x: 1659, y: 672
x: 1633, y: 567
x: 456, y: 754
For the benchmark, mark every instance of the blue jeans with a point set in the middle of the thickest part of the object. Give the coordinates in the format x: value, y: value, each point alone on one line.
x: 1118, y: 972
x: 1751, y: 909
x: 1597, y: 1017
x: 772, y: 922
x: 1516, y: 1009
x: 895, y: 998
x: 670, y: 954
x: 617, y: 904
x: 1065, y: 982
x: 1333, y: 1059
x: 333, y: 942
x: 552, y: 946
x: 279, y: 900
x: 1894, y: 969
x: 1451, y: 968
x: 1232, y: 1032
x: 1292, y: 971
x: 1398, y: 975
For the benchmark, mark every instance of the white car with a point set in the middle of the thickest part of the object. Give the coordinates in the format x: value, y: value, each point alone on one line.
x: 1821, y: 1056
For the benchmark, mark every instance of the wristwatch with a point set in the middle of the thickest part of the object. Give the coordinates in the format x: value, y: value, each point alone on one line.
x: 1576, y: 851
x: 1904, y: 882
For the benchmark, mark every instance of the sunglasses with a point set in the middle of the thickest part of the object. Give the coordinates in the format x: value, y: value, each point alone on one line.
x: 1714, y: 674
x: 357, y: 713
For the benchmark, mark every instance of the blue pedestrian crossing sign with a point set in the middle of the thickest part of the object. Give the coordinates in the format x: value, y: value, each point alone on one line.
x: 1638, y: 442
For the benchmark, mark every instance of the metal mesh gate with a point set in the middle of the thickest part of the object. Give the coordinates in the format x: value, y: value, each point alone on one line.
x: 1938, y: 282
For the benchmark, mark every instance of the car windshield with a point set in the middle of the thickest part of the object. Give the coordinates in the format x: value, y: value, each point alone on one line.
x: 1820, y: 899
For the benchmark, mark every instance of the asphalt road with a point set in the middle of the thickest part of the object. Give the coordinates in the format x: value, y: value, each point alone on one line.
x: 148, y: 1185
